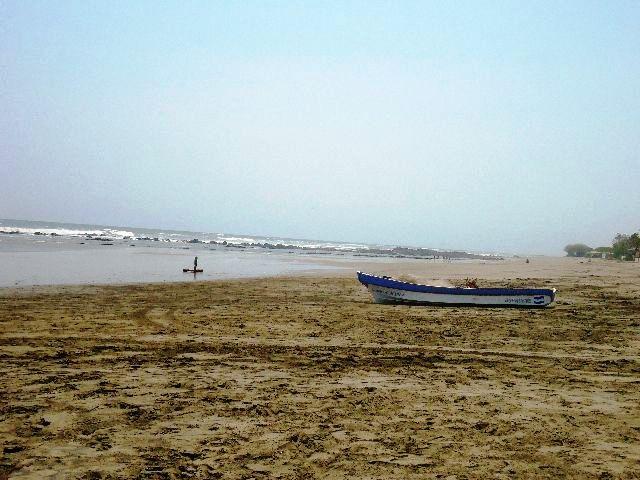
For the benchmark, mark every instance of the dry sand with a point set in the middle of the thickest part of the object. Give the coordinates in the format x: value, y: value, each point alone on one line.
x: 305, y: 377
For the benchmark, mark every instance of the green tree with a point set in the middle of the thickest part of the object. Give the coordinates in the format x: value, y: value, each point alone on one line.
x: 621, y: 245
x: 634, y: 240
x: 577, y: 250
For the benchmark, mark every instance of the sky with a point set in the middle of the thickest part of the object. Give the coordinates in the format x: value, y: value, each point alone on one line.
x: 486, y: 126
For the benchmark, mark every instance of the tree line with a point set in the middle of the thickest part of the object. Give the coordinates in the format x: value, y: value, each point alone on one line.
x: 623, y: 247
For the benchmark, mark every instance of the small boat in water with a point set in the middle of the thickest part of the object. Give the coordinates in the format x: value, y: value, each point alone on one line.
x: 389, y: 290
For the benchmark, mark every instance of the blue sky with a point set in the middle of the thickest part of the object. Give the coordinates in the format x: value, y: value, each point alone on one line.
x: 502, y: 126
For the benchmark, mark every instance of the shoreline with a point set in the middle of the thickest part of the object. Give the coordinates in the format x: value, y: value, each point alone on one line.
x: 541, y: 267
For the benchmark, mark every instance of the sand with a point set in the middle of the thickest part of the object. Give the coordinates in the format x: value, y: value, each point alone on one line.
x: 304, y: 377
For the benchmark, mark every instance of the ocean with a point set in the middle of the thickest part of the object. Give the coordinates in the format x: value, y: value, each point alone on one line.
x: 52, y: 253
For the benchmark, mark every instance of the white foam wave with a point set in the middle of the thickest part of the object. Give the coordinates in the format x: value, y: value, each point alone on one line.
x: 308, y: 244
x: 242, y: 240
x: 105, y: 232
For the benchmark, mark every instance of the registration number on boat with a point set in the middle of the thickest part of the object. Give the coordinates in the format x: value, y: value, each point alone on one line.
x: 517, y: 300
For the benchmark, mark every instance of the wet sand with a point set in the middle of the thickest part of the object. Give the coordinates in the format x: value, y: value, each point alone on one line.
x: 303, y: 377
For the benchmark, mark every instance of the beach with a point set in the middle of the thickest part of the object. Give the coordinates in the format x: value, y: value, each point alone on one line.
x: 202, y: 203
x: 302, y: 376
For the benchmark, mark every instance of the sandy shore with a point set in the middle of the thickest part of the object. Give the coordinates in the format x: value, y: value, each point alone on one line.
x: 304, y: 377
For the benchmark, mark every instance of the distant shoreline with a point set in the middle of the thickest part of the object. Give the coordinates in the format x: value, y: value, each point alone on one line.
x: 107, y: 234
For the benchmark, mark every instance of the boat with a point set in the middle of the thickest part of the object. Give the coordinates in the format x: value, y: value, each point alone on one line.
x: 195, y: 268
x: 389, y: 290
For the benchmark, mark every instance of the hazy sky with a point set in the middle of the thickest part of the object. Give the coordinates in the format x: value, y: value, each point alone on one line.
x: 503, y: 126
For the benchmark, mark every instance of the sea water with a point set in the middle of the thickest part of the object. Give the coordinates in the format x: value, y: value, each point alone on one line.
x: 50, y: 253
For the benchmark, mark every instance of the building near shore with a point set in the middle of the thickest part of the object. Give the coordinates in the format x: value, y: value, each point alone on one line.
x: 599, y: 254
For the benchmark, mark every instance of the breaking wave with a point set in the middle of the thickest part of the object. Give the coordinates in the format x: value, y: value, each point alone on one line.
x: 104, y: 232
x: 98, y: 232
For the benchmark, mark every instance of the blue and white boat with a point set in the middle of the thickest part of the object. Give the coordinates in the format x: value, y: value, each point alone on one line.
x: 389, y: 290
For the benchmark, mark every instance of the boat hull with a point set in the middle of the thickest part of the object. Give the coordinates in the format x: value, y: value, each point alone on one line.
x: 386, y: 290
